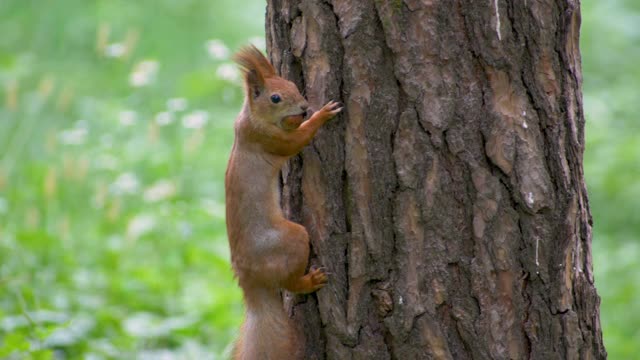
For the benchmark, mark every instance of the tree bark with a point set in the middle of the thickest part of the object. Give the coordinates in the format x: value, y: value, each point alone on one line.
x: 447, y: 202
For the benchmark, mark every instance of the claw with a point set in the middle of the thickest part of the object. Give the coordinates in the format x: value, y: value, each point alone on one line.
x: 318, y: 276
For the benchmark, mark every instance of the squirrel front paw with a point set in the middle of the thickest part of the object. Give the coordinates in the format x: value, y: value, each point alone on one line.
x: 331, y: 109
x: 318, y: 278
x: 315, y: 279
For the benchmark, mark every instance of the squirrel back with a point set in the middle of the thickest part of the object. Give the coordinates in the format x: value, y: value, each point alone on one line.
x: 268, y: 252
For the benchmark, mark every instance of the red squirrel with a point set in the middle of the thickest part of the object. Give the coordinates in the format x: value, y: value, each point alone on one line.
x: 268, y: 252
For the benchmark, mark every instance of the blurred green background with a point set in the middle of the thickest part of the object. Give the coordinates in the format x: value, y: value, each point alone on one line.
x: 115, y: 125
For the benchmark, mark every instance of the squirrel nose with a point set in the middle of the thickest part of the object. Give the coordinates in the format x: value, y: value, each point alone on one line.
x: 304, y: 109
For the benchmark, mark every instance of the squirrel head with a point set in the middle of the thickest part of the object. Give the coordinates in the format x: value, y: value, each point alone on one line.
x: 272, y: 100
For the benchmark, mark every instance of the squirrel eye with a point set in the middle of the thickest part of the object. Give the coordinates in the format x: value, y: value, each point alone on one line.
x: 275, y: 98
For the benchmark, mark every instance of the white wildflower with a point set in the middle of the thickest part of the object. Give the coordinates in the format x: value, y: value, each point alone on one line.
x: 127, y: 117
x: 227, y: 72
x: 87, y: 301
x: 161, y: 190
x: 157, y: 354
x: 138, y: 324
x: 143, y: 73
x: 126, y: 183
x: 176, y: 104
x: 140, y: 225
x: 259, y: 42
x: 147, y: 325
x: 163, y: 118
x: 217, y: 49
x: 76, y: 136
x: 115, y: 243
x: 195, y: 119
x: 115, y: 50
x: 10, y: 322
x: 82, y: 277
x: 60, y: 300
x: 138, y: 79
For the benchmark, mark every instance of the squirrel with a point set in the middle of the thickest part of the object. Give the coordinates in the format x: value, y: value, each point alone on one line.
x: 268, y: 252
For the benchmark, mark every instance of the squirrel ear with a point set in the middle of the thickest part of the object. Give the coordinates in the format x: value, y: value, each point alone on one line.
x: 255, y: 67
x: 255, y: 82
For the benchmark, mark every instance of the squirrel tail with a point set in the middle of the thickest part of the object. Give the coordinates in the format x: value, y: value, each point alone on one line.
x: 266, y: 332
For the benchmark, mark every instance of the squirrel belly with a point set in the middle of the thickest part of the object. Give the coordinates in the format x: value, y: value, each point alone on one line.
x: 268, y: 252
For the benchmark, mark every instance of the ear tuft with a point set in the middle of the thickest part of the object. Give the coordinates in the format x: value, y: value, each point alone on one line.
x: 254, y: 83
x: 255, y: 67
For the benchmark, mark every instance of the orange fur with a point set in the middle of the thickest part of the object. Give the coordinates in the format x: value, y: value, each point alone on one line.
x: 250, y: 58
x: 268, y: 252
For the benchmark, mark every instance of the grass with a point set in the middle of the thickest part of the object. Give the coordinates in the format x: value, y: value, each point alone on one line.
x: 114, y: 134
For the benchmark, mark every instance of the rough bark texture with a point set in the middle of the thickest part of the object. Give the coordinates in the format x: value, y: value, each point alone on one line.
x: 448, y: 200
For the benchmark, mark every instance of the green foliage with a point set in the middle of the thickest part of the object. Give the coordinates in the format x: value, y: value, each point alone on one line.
x: 610, y: 48
x: 115, y: 126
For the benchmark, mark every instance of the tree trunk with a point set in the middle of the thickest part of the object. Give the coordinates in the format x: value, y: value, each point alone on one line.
x: 447, y: 202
